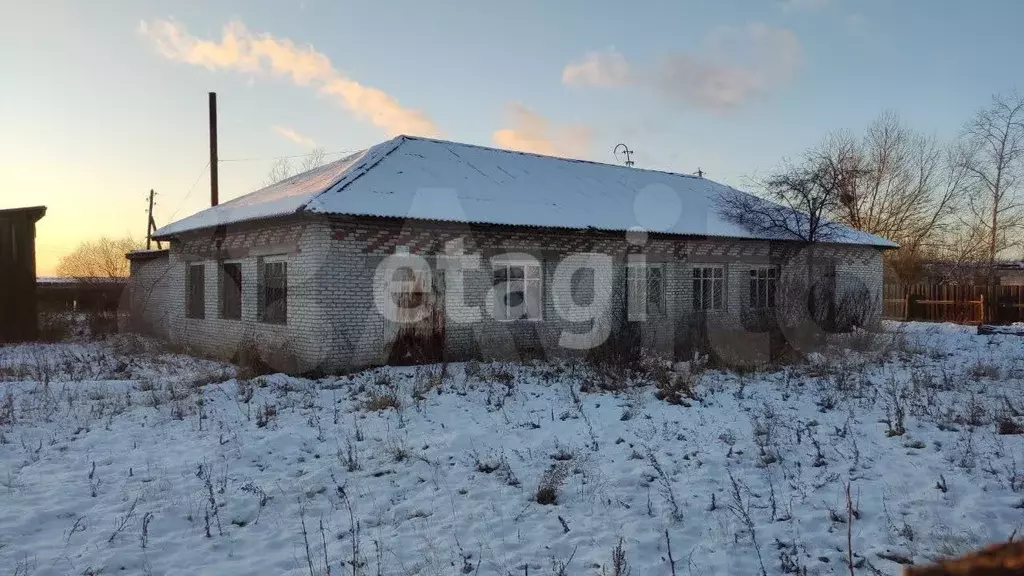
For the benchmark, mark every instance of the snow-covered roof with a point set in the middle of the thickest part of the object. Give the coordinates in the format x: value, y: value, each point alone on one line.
x: 421, y: 178
x: 141, y: 254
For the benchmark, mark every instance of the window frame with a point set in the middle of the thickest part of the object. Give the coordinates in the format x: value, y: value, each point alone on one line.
x: 507, y: 263
x: 195, y: 296
x: 656, y: 306
x: 771, y: 287
x: 265, y: 317
x: 699, y: 278
x: 223, y: 292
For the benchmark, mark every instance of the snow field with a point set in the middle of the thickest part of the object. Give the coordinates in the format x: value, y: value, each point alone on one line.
x: 119, y: 457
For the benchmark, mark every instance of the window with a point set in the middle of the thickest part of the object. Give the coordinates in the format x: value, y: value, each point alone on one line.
x: 195, y: 291
x: 762, y: 287
x: 274, y: 292
x: 517, y: 291
x: 407, y: 288
x: 231, y: 291
x: 645, y: 293
x: 708, y: 287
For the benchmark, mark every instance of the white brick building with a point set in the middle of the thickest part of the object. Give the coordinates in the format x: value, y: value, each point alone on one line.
x: 518, y: 255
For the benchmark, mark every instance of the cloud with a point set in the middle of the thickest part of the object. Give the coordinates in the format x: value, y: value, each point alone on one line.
x: 264, y: 54
x: 291, y: 134
x: 735, y: 65
x: 531, y: 132
x: 598, y: 68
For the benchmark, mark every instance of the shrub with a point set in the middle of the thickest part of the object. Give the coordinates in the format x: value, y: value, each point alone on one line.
x: 499, y: 374
x: 692, y: 336
x: 676, y: 386
x: 55, y: 327
x: 250, y: 361
x: 101, y: 323
x: 856, y: 308
x: 618, y: 358
x: 1006, y: 425
x: 428, y: 379
x: 985, y: 370
x: 383, y: 395
x: 547, y: 495
x: 265, y: 415
x: 550, y: 482
x: 7, y: 409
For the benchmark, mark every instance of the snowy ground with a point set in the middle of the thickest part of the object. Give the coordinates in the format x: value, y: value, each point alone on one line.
x: 122, y: 459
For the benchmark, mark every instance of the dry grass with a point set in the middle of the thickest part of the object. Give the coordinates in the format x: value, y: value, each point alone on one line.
x: 383, y: 394
x: 7, y: 409
x: 550, y: 482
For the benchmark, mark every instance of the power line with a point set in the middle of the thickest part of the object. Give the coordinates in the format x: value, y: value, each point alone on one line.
x: 222, y: 160
x: 286, y: 157
x: 190, y: 190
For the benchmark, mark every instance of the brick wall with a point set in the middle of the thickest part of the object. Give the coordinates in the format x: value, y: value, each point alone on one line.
x: 333, y: 320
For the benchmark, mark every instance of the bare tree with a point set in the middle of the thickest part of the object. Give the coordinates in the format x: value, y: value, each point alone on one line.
x: 800, y: 198
x: 283, y: 168
x: 100, y: 258
x: 907, y: 188
x: 993, y: 158
x: 959, y: 257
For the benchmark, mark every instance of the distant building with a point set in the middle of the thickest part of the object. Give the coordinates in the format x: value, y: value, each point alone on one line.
x: 18, y: 308
x: 509, y: 255
x: 79, y: 294
x: 1010, y: 273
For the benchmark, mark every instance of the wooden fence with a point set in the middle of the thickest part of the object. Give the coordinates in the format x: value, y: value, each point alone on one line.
x: 960, y: 304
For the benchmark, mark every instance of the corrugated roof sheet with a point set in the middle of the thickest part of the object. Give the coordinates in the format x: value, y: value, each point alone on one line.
x: 409, y: 177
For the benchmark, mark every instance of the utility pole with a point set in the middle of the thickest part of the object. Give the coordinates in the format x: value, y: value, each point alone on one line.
x: 213, y: 150
x: 151, y: 224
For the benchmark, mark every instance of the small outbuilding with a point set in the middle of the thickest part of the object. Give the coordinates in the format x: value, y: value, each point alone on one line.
x: 18, y: 317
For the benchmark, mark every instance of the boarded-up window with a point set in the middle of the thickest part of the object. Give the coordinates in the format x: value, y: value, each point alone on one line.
x: 195, y: 291
x: 708, y: 288
x: 274, y: 291
x: 231, y: 291
x: 762, y: 287
x: 517, y: 291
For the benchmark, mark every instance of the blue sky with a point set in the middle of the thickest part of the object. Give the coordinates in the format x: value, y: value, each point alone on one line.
x: 104, y: 100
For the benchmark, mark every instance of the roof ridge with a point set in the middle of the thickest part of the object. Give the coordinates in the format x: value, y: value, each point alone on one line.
x: 388, y: 146
x: 551, y: 157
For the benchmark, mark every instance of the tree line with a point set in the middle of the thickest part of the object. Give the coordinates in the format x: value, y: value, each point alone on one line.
x: 954, y: 208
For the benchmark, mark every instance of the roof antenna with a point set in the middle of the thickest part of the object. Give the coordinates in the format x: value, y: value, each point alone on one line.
x: 700, y: 173
x: 626, y: 151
